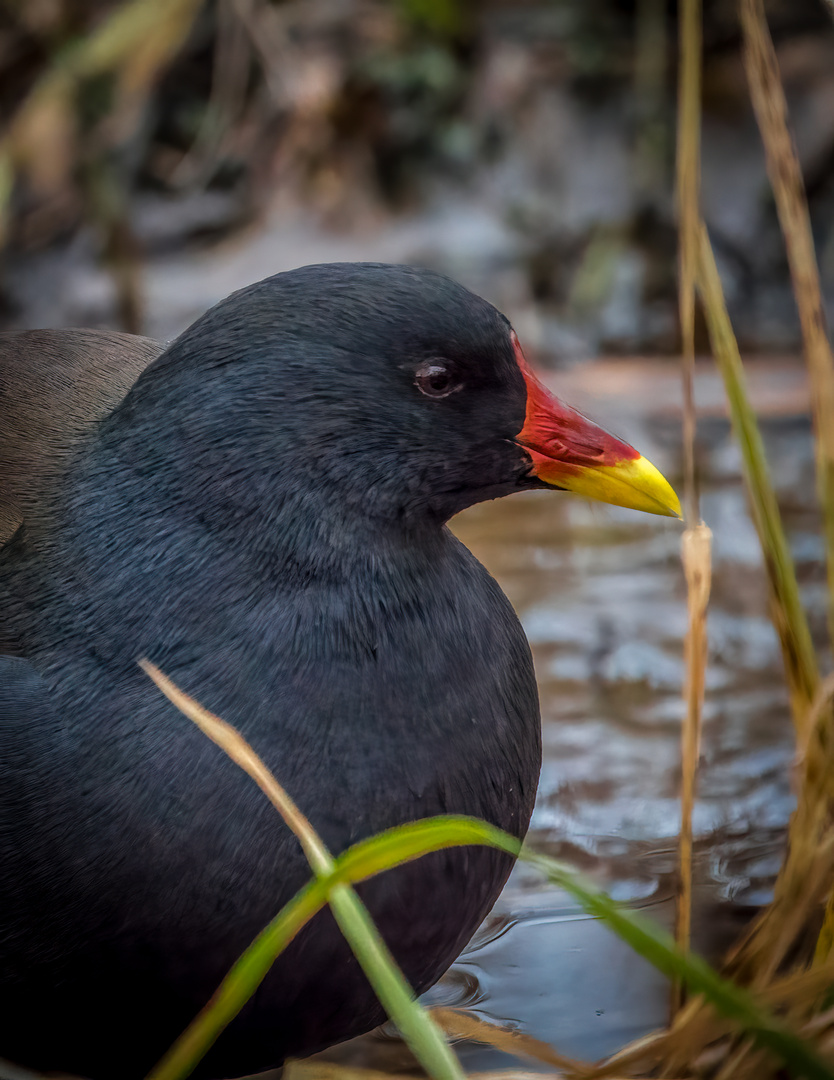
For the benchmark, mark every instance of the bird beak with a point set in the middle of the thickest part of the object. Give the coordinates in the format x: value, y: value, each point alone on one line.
x: 571, y: 452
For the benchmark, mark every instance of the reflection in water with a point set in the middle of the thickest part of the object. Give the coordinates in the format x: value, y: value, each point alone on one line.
x: 601, y: 595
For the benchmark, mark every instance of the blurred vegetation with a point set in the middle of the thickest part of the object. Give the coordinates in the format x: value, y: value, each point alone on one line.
x: 365, y: 107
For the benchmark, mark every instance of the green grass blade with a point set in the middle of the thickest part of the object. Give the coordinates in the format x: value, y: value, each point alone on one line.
x: 659, y: 948
x: 786, y: 609
x: 427, y: 1041
x: 238, y: 986
x: 423, y: 1035
x: 363, y: 860
x: 407, y: 842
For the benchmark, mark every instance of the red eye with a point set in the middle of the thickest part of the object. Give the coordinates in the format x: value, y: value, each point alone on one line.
x: 436, y: 380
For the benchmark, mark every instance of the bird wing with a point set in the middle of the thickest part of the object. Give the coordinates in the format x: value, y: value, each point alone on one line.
x: 27, y: 726
x: 54, y: 386
x: 30, y: 825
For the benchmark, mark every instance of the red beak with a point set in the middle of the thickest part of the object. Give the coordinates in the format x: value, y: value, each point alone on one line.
x: 571, y: 452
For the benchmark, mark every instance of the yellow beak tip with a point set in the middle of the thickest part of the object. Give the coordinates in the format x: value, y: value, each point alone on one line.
x: 634, y: 483
x: 638, y: 484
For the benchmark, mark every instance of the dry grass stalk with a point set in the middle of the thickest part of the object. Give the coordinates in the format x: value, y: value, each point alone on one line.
x: 800, y: 990
x: 697, y: 1039
x: 697, y: 1034
x: 699, y: 1043
x: 785, y: 174
x: 424, y: 1037
x: 696, y: 554
x: 688, y: 171
x: 786, y: 180
x: 785, y: 607
x: 232, y: 743
x: 804, y: 878
x: 744, y: 1063
x: 325, y: 1070
x: 694, y: 1042
x: 694, y: 1032
x: 807, y: 875
x: 465, y: 1025
x: 694, y: 545
x: 636, y: 1059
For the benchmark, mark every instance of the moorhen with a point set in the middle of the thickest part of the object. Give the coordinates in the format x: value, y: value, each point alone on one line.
x: 263, y: 515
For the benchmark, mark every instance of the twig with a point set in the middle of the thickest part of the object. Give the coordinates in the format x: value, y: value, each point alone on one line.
x: 696, y: 543
x: 792, y: 207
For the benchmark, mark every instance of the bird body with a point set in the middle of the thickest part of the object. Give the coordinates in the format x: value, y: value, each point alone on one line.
x: 196, y: 862
x: 263, y: 516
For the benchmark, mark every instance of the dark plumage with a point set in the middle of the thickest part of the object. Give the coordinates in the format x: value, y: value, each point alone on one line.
x: 54, y: 385
x: 263, y: 516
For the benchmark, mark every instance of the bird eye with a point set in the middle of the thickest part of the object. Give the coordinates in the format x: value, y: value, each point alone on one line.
x: 436, y: 380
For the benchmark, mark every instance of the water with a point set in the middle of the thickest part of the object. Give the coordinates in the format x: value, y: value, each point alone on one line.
x: 601, y: 595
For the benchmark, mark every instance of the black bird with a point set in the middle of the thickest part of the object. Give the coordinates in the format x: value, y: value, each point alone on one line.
x: 264, y: 516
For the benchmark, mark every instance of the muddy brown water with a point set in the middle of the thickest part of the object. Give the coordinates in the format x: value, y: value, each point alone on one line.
x: 600, y: 593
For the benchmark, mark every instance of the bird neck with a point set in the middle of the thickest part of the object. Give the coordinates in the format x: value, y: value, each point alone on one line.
x: 157, y: 546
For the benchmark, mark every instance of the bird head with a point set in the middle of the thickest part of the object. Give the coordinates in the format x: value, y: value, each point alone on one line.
x: 388, y: 390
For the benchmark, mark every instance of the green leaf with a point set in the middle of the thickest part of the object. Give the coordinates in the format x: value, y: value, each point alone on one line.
x: 654, y: 944
x: 363, y: 860
x: 789, y: 618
